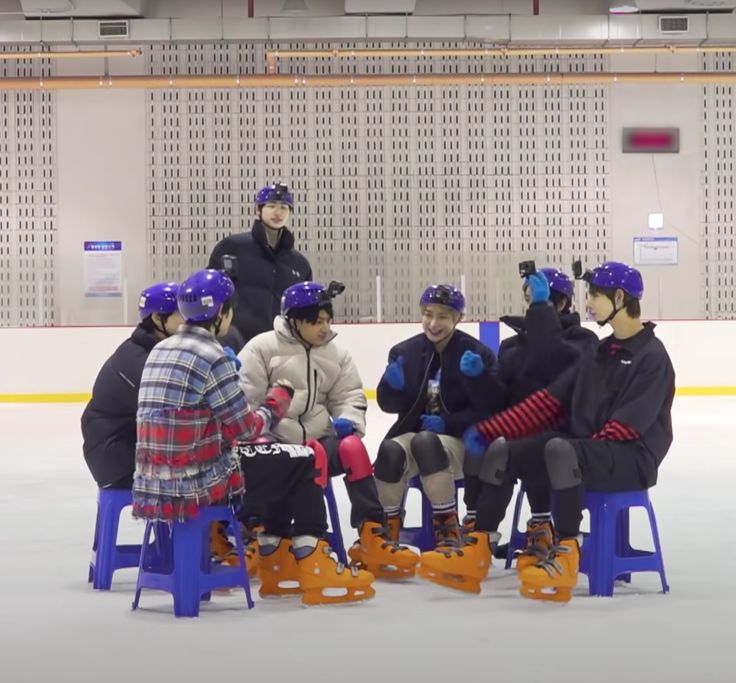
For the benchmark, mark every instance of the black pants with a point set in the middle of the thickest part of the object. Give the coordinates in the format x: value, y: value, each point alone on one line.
x: 276, y: 479
x: 605, y: 466
x: 538, y: 493
x: 364, y: 503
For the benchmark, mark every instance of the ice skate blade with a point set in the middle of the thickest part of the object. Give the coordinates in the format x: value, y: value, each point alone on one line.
x: 548, y: 594
x: 280, y: 589
x: 344, y: 596
x: 458, y: 582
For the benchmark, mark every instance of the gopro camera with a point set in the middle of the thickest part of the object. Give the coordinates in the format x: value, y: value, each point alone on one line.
x: 577, y: 271
x: 335, y: 288
x: 279, y: 192
x: 527, y: 268
x: 230, y: 266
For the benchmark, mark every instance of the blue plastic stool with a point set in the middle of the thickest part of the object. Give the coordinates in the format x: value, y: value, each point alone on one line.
x: 423, y: 536
x: 185, y: 568
x: 107, y: 556
x: 607, y: 553
x: 334, y: 536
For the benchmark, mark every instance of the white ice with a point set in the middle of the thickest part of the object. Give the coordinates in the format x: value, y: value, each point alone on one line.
x: 55, y: 627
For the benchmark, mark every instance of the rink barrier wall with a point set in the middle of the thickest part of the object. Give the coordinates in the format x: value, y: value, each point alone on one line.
x: 59, y: 365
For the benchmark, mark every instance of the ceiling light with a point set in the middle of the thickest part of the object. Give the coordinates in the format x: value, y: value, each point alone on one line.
x: 623, y: 8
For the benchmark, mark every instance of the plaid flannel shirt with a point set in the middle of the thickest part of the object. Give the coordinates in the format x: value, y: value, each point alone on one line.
x: 190, y: 410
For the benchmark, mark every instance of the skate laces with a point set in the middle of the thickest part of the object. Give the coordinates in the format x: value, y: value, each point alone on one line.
x: 387, y: 542
x: 537, y: 544
x: 550, y: 564
x: 340, y: 568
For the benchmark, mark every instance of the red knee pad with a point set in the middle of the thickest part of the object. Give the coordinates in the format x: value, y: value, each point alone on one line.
x: 320, y: 463
x: 354, y: 458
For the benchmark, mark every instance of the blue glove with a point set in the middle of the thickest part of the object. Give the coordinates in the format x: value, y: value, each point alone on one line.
x: 475, y: 442
x: 233, y: 357
x: 433, y: 423
x: 343, y: 427
x: 394, y: 374
x: 538, y: 288
x: 471, y: 364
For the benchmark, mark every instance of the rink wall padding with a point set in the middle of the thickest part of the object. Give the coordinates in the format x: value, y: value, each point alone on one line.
x: 60, y: 364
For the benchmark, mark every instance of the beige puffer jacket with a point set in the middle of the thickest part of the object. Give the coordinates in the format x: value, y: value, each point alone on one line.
x: 326, y: 383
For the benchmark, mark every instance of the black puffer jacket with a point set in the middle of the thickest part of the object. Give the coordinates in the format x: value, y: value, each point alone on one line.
x: 545, y: 345
x: 465, y: 400
x: 108, y: 421
x: 263, y: 275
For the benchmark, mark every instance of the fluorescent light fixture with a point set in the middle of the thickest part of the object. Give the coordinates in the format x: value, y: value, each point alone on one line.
x: 623, y: 8
x: 656, y: 221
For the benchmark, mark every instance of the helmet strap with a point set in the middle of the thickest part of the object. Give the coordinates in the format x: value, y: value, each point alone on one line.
x: 614, y: 312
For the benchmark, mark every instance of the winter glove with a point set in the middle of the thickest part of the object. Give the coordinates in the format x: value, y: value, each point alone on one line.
x: 475, y: 442
x: 343, y: 427
x: 433, y: 423
x: 230, y: 353
x: 538, y: 288
x: 278, y: 399
x: 394, y: 374
x: 471, y: 364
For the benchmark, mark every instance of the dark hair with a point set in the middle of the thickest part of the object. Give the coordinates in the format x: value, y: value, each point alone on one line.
x: 631, y: 303
x: 557, y: 299
x: 310, y: 313
x: 224, y: 310
x: 147, y: 322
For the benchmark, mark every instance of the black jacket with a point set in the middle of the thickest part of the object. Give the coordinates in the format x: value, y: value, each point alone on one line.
x: 465, y: 400
x: 545, y: 345
x: 263, y: 275
x: 630, y: 381
x: 108, y: 421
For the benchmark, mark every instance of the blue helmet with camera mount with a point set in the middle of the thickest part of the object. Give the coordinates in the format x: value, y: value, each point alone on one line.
x: 276, y: 193
x: 202, y: 294
x: 615, y: 275
x: 305, y: 294
x: 159, y: 298
x: 558, y: 282
x: 446, y: 295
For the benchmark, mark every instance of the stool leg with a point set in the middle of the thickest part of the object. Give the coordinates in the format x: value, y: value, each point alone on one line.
x: 142, y: 564
x: 106, y: 542
x: 623, y: 544
x: 187, y: 560
x: 657, y: 547
x: 335, y: 538
x: 244, y: 574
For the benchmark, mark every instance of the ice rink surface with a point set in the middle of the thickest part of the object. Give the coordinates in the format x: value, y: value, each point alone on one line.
x: 56, y: 628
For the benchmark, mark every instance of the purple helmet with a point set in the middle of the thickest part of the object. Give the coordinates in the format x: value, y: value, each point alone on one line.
x: 447, y: 295
x: 304, y: 294
x: 159, y: 298
x: 276, y: 192
x: 201, y: 295
x: 615, y: 275
x: 558, y: 282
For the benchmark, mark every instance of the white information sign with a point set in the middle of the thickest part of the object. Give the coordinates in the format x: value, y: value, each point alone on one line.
x: 655, y: 251
x: 103, y: 268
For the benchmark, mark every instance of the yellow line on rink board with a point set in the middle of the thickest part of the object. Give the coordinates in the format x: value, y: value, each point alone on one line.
x: 369, y: 393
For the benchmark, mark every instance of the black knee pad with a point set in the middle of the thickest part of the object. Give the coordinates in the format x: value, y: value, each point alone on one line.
x: 390, y: 462
x: 429, y: 453
x: 562, y: 463
x: 494, y: 464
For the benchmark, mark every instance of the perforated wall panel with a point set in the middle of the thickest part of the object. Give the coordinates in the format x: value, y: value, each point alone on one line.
x: 718, y: 191
x: 406, y: 185
x: 27, y: 198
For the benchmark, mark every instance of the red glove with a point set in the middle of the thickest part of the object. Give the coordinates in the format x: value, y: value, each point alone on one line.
x: 278, y: 399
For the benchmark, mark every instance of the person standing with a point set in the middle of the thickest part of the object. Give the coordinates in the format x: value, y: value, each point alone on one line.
x: 265, y: 264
